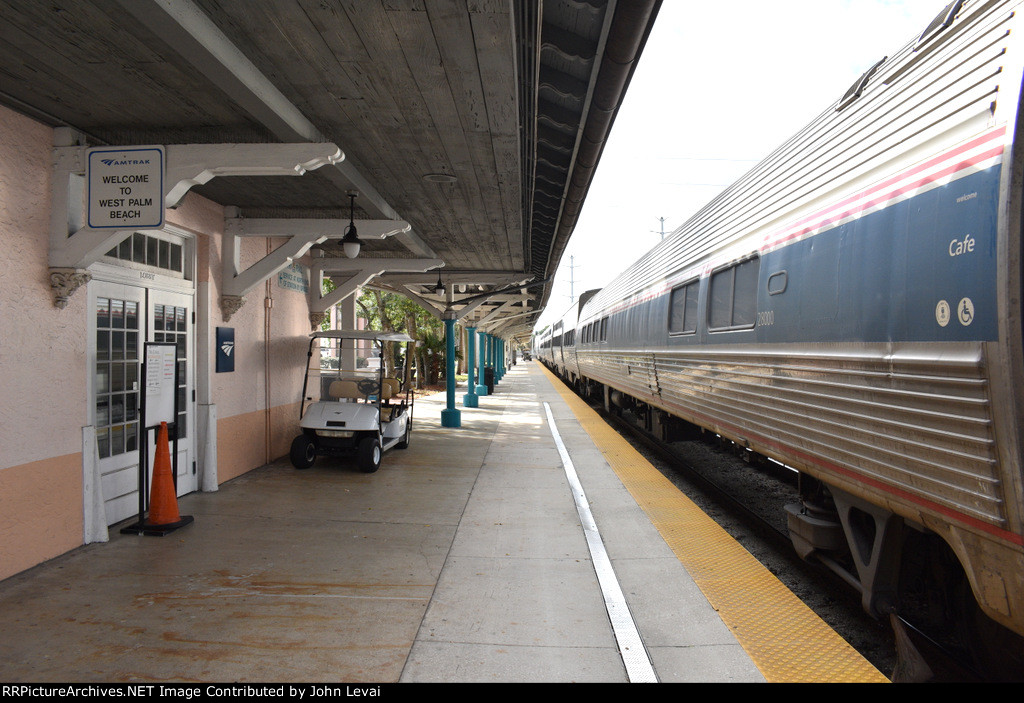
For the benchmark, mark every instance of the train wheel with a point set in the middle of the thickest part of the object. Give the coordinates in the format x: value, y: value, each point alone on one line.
x: 997, y: 652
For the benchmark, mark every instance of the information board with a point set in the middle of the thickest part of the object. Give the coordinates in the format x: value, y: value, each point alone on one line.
x: 126, y: 187
x: 161, y: 383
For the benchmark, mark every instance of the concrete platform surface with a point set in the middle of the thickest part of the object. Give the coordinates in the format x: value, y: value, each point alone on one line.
x: 462, y: 560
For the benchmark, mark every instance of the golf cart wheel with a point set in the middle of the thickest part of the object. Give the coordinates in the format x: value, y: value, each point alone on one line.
x: 368, y: 456
x: 406, y: 437
x: 303, y: 452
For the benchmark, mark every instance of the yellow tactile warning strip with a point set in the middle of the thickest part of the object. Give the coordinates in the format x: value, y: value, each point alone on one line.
x: 784, y: 638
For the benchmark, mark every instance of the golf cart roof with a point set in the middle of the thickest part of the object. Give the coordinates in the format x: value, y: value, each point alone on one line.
x: 363, y: 334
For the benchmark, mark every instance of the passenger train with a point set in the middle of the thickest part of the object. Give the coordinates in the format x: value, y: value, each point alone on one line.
x: 852, y: 308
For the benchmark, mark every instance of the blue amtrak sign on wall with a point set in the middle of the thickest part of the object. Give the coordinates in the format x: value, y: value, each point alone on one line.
x: 225, y: 349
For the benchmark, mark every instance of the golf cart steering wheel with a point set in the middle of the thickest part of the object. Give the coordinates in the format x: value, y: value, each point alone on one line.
x: 368, y: 386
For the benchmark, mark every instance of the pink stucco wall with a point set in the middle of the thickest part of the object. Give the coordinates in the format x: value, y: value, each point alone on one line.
x: 270, y: 344
x: 276, y: 352
x: 43, y: 403
x: 43, y: 393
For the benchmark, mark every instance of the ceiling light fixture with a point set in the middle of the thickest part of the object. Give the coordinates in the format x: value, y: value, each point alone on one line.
x: 350, y: 243
x: 439, y: 288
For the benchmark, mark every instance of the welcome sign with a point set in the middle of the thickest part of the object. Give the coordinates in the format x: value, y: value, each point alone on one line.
x: 126, y: 187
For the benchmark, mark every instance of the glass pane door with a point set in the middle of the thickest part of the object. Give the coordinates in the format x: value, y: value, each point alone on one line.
x: 171, y: 321
x: 117, y: 332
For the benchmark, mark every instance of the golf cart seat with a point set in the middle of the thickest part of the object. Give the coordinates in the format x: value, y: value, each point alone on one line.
x: 349, y: 390
x: 393, y: 385
x: 345, y: 390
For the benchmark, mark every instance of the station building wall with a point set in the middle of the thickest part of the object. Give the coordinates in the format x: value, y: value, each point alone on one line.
x: 46, y: 409
x: 42, y: 370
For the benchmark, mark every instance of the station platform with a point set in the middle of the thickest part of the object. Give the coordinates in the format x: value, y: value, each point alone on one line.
x: 464, y: 559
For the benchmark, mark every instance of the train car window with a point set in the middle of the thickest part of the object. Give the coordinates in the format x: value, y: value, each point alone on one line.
x: 720, y: 313
x: 682, y: 318
x: 604, y: 329
x: 941, y: 21
x: 744, y: 302
x: 733, y: 299
x: 858, y: 87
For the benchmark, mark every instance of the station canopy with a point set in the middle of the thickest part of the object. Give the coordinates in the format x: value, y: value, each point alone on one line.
x: 480, y: 123
x: 370, y: 335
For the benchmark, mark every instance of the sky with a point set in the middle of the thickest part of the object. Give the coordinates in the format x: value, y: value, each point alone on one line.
x: 718, y: 87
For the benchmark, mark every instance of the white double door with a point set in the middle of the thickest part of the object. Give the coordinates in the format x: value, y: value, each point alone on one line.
x: 124, y: 318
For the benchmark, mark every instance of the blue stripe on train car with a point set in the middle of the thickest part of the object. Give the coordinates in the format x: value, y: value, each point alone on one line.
x: 923, y: 270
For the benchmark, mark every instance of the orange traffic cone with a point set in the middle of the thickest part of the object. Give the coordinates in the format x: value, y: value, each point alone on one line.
x: 163, y: 503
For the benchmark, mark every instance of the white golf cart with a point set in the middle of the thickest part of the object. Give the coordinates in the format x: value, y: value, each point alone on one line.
x: 346, y: 409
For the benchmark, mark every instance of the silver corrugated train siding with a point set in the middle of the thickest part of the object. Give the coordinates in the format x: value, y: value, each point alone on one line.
x: 905, y: 423
x: 909, y: 110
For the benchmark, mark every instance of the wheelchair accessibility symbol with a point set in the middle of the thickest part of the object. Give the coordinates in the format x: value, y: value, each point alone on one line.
x: 965, y: 311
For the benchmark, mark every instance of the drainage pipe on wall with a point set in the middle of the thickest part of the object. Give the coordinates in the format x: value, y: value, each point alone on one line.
x: 268, y: 303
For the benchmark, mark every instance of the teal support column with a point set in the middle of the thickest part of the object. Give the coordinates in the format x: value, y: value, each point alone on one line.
x: 481, y: 388
x: 471, y: 399
x: 501, y: 356
x: 450, y: 416
x: 498, y: 359
x: 490, y: 358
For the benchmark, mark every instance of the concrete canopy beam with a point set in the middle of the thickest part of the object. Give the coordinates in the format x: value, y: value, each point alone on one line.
x: 421, y: 301
x: 190, y: 165
x: 328, y: 229
x: 238, y: 283
x: 496, y: 324
x: 493, y: 314
x: 355, y: 273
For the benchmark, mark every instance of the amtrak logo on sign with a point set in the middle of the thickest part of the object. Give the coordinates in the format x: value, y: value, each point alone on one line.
x: 126, y: 162
x: 225, y: 349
